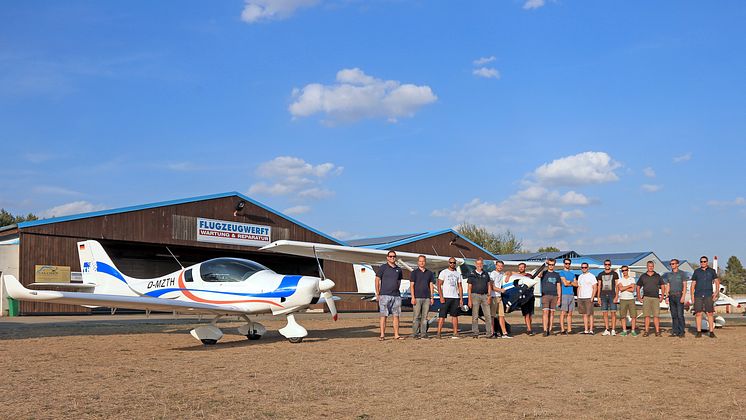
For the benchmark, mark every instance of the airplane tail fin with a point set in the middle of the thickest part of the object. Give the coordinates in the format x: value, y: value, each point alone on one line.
x: 98, y: 269
x: 365, y: 277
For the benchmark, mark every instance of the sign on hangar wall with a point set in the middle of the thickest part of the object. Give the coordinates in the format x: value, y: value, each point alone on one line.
x: 225, y: 232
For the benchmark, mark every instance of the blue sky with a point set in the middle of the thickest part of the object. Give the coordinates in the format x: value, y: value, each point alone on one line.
x: 595, y: 126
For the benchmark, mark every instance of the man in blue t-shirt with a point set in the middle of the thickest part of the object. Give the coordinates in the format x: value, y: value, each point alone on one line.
x: 567, y: 302
x: 704, y: 295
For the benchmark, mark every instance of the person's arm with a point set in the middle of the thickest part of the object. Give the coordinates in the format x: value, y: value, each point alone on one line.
x: 639, y: 293
x: 691, y: 290
x: 469, y: 295
x: 664, y: 288
x: 616, y: 291
x: 411, y: 291
x: 378, y: 287
x: 595, y: 290
x: 431, y: 293
x: 489, y: 293
x: 559, y: 292
x: 716, y: 291
x: 684, y: 290
x: 461, y: 293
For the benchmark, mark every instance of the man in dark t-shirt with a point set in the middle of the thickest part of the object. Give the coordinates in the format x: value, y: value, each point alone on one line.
x: 650, y: 282
x: 421, y: 287
x: 388, y: 281
x: 704, y: 295
x: 527, y: 309
x: 606, y: 291
x: 551, y: 290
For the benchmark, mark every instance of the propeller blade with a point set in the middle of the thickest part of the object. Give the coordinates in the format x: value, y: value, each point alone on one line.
x: 329, y: 299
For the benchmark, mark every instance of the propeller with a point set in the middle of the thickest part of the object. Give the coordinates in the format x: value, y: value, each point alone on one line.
x: 325, y: 287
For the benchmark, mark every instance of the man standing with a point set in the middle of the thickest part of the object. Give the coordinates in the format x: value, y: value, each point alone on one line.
x: 676, y: 289
x: 388, y: 281
x: 704, y: 296
x: 567, y: 302
x: 450, y: 292
x: 626, y: 298
x: 527, y: 309
x: 497, y: 309
x: 651, y: 283
x: 587, y: 288
x: 421, y: 288
x: 551, y: 290
x: 606, y: 290
x: 480, y: 289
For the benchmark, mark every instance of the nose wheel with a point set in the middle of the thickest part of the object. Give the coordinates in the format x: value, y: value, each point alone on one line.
x: 293, y: 331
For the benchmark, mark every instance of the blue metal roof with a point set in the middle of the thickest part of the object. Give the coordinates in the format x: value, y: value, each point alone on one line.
x: 24, y: 225
x: 409, y: 239
x: 621, y: 258
x: 537, y: 256
x: 381, y: 239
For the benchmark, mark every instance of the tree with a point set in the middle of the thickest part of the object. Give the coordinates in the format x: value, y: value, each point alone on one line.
x: 496, y: 243
x: 6, y: 218
x: 548, y: 249
x: 735, y: 276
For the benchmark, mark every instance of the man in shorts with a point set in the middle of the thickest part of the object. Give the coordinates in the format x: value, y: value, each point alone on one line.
x: 497, y: 308
x: 527, y: 309
x: 676, y: 290
x: 421, y: 288
x: 587, y: 288
x: 606, y: 290
x: 626, y: 299
x: 388, y: 281
x: 704, y: 295
x: 450, y: 291
x: 551, y: 290
x: 480, y: 289
x: 651, y: 283
x: 567, y: 302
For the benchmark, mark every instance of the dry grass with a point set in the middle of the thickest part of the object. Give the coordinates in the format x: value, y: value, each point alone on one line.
x: 157, y: 370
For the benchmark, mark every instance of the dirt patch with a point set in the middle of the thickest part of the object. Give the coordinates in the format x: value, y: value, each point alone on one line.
x: 157, y: 370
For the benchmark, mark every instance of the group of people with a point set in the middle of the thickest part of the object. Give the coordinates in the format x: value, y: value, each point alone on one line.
x: 614, y: 294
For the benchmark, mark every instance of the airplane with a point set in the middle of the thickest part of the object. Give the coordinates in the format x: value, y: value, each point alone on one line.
x: 219, y: 287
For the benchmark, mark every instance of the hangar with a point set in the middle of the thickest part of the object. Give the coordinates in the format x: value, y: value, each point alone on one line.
x: 194, y: 229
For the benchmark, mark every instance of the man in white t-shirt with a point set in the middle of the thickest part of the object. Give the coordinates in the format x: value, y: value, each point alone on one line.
x: 587, y: 287
x: 497, y: 307
x: 450, y: 291
x: 625, y: 287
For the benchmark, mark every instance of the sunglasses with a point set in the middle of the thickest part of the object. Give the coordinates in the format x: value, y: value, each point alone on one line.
x: 451, y: 262
x: 391, y: 256
x: 624, y: 271
x: 551, y: 265
x: 703, y: 261
x: 607, y: 264
x: 584, y: 268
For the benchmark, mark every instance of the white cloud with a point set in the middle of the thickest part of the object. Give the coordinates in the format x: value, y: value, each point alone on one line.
x: 651, y: 188
x: 533, y: 4
x: 357, y: 95
x: 75, y: 207
x: 683, y: 158
x: 622, y: 238
x: 739, y: 201
x: 484, y: 60
x: 260, y: 10
x: 649, y: 172
x: 581, y: 169
x: 293, y: 176
x: 487, y: 73
x: 295, y: 210
x: 49, y: 189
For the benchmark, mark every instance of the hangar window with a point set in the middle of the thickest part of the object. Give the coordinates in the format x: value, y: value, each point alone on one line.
x: 229, y: 269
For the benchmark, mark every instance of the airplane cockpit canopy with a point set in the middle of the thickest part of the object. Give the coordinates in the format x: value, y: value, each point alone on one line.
x: 229, y: 269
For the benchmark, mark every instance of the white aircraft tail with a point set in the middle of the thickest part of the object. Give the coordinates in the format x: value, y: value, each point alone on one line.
x: 365, y: 277
x: 98, y: 269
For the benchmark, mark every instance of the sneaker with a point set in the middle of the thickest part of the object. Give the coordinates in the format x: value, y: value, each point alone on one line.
x: 633, y: 333
x: 613, y: 333
x: 530, y: 333
x: 546, y: 334
x: 565, y: 332
x: 623, y: 333
x: 645, y: 334
x: 425, y: 337
x: 658, y: 334
x: 493, y: 337
x: 699, y: 334
x: 591, y: 332
x: 438, y: 336
x: 712, y: 334
x: 584, y: 332
x: 682, y: 335
x: 606, y: 332
x: 455, y: 337
x: 506, y: 336
x: 475, y: 336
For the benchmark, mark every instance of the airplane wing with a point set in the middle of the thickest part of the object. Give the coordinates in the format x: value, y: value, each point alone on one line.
x: 355, y: 255
x: 17, y: 291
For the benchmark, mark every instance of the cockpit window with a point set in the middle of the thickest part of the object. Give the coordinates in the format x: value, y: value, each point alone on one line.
x: 229, y: 269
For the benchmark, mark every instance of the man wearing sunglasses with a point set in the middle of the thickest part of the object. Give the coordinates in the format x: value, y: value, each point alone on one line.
x: 676, y: 288
x: 606, y: 290
x: 626, y: 298
x: 587, y: 288
x: 527, y: 309
x: 551, y: 290
x: 704, y: 295
x: 450, y: 291
x: 388, y: 281
x: 651, y: 283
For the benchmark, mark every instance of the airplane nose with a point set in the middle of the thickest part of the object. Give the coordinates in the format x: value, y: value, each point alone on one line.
x: 325, y: 285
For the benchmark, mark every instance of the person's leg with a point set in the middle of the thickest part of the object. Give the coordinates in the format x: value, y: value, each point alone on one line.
x: 440, y: 325
x: 562, y: 320
x: 606, y: 317
x: 487, y: 311
x: 475, y: 314
x: 657, y: 323
x: 590, y: 317
x: 551, y: 319
x: 569, y: 321
x: 612, y: 314
x: 544, y: 317
x: 711, y: 320
x: 424, y: 312
x: 382, y: 326
x: 698, y: 320
x: 416, y: 317
x: 396, y: 326
x: 454, y: 321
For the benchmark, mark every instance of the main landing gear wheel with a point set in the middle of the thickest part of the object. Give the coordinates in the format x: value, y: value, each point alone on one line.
x: 253, y: 336
x: 208, y: 342
x: 295, y: 340
x: 252, y: 330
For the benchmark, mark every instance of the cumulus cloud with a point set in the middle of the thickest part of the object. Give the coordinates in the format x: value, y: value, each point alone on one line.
x: 649, y: 172
x: 533, y: 4
x: 739, y: 201
x: 484, y: 60
x: 75, y: 207
x: 683, y: 158
x: 581, y: 169
x: 622, y: 238
x: 262, y: 10
x: 50, y: 189
x: 357, y: 95
x: 294, y: 177
x: 651, y: 188
x: 487, y: 73
x: 296, y: 210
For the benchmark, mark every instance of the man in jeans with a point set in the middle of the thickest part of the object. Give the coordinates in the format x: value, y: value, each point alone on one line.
x: 703, y: 294
x: 388, y: 281
x: 551, y: 290
x: 651, y: 283
x: 421, y: 287
x: 606, y: 290
x: 480, y: 289
x: 676, y: 286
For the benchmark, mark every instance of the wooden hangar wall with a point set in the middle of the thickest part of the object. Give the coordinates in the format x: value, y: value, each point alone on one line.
x: 443, y: 245
x: 136, y: 241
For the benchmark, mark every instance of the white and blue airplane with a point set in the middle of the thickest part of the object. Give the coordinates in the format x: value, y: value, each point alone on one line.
x: 219, y: 287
